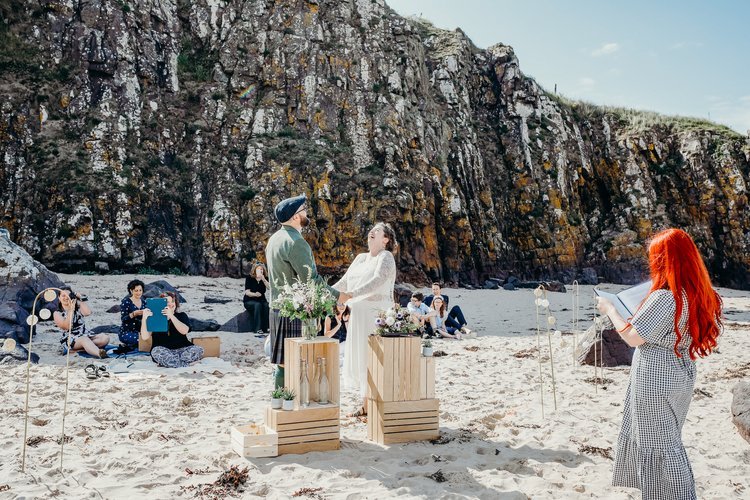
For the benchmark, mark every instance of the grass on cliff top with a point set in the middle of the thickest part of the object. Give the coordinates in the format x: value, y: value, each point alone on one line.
x: 635, y: 120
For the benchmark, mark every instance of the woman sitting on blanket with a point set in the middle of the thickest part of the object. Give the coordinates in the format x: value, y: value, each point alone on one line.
x: 172, y: 349
x: 131, y: 312
x: 71, y: 308
x: 438, y: 320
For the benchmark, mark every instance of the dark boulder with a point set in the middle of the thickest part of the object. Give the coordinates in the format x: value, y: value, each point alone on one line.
x: 156, y: 288
x: 18, y: 355
x: 509, y: 286
x: 490, y: 285
x: 115, y: 329
x: 513, y: 280
x: 402, y: 294
x: 239, y: 324
x: 550, y: 286
x: 210, y: 299
x: 612, y: 351
x: 114, y: 309
x: 203, y: 325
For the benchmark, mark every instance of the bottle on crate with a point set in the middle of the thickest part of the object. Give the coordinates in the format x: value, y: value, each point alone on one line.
x: 323, y: 385
x: 304, y: 386
x: 315, y: 382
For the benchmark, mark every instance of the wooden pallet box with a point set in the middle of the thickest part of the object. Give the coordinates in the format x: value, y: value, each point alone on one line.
x: 394, y: 371
x: 211, y: 346
x: 315, y: 428
x: 427, y: 377
x: 297, y: 349
x: 391, y: 422
x: 253, y: 440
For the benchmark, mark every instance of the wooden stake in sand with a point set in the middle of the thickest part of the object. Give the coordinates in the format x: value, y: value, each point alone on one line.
x: 49, y: 295
x: 538, y: 302
x: 576, y: 306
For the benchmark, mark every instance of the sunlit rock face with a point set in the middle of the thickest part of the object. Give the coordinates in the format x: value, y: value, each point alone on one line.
x: 173, y: 128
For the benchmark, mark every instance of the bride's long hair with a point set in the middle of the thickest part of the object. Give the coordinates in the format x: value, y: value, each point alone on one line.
x: 388, y: 232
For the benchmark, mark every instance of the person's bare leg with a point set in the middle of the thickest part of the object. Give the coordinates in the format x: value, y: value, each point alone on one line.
x: 101, y: 340
x: 87, y: 345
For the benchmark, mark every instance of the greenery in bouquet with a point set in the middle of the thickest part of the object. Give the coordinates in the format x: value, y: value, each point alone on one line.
x: 393, y: 321
x: 304, y: 300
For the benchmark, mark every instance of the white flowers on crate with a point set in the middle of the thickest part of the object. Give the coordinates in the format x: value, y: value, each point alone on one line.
x: 394, y: 321
x: 304, y: 300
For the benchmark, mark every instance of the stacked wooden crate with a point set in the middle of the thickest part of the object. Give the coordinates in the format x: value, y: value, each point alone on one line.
x: 315, y: 427
x: 401, y: 404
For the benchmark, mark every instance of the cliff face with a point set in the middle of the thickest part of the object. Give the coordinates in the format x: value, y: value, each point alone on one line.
x: 174, y: 127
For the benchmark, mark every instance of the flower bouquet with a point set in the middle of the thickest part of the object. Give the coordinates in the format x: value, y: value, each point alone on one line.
x: 308, y: 301
x: 394, y: 322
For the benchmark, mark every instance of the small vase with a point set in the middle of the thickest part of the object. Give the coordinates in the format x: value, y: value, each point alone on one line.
x: 309, y: 328
x: 276, y: 403
x: 427, y: 351
x: 288, y: 404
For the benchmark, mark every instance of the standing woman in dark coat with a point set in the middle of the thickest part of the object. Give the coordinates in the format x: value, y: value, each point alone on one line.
x: 678, y: 321
x: 254, y: 299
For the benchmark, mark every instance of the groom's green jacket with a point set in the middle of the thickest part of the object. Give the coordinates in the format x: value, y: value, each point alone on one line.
x: 288, y: 256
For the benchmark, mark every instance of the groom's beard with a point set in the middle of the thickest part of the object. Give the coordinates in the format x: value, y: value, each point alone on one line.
x: 304, y: 221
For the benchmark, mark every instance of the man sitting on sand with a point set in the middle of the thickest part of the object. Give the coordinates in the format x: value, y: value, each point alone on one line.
x: 455, y: 318
x: 420, y: 312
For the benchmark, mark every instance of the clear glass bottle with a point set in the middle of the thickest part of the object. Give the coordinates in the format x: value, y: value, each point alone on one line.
x: 323, y: 386
x: 315, y: 382
x: 304, y: 386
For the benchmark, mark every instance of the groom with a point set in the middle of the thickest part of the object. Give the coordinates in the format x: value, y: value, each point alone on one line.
x: 289, y: 256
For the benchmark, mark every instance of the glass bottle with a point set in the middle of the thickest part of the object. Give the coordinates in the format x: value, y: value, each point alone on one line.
x: 323, y: 386
x: 315, y: 383
x: 304, y: 386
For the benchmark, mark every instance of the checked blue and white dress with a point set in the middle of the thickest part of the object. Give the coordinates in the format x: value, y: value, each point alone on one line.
x: 650, y: 455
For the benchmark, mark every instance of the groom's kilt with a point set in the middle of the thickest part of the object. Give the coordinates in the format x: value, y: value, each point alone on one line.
x: 282, y: 328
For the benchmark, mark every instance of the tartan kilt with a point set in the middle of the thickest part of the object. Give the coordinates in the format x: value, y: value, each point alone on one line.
x: 282, y: 328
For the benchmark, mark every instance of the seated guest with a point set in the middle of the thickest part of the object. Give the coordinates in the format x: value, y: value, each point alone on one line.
x: 334, y: 327
x: 420, y: 312
x: 131, y: 311
x: 455, y: 315
x: 254, y: 299
x: 172, y: 349
x: 71, y: 309
x: 438, y: 321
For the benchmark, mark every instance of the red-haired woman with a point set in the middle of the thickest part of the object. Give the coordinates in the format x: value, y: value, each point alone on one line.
x: 679, y: 320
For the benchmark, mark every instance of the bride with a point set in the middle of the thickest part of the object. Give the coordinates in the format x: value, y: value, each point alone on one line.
x: 370, y: 280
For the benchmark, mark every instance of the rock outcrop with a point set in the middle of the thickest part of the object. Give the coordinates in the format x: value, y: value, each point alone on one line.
x: 161, y: 134
x: 741, y: 409
x: 21, y: 279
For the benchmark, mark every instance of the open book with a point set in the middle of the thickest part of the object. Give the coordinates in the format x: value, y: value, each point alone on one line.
x: 627, y: 301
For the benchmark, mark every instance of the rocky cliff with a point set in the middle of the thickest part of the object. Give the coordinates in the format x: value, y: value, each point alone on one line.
x: 171, y: 128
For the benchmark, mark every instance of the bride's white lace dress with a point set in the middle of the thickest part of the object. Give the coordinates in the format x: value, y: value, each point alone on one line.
x: 370, y: 280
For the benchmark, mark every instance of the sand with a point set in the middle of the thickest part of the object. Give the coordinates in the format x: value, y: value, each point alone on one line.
x: 157, y: 433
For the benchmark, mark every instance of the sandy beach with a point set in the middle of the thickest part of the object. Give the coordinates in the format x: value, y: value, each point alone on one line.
x: 159, y: 433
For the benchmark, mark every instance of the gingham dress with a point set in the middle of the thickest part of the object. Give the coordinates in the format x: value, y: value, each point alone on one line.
x: 650, y: 455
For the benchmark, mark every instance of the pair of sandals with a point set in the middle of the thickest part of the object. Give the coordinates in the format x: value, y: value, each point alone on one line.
x: 94, y: 372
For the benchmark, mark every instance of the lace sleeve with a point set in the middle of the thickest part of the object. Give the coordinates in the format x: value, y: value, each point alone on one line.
x: 342, y: 284
x: 384, y: 271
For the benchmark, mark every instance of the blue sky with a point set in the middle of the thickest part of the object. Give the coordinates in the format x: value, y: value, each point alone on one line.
x: 688, y: 57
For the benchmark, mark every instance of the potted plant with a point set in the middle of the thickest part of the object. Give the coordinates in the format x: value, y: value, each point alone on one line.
x: 426, y: 348
x: 276, y: 398
x: 288, y: 396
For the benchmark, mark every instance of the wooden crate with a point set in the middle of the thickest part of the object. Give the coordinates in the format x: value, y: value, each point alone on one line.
x: 394, y: 368
x: 315, y: 428
x: 296, y: 349
x: 211, y: 346
x: 427, y: 377
x: 253, y: 440
x: 390, y: 422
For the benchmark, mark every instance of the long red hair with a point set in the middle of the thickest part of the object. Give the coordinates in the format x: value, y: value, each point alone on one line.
x: 676, y: 265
